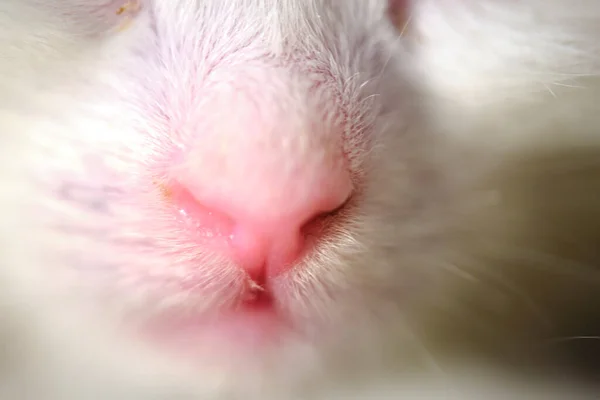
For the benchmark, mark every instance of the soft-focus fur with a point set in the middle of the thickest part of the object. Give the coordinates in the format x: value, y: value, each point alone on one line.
x: 464, y: 128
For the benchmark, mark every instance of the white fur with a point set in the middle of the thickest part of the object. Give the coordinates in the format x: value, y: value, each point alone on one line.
x: 100, y: 107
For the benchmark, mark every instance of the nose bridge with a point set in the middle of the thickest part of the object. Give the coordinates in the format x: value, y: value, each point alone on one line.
x: 272, y: 140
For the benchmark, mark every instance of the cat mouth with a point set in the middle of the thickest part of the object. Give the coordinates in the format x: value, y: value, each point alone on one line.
x: 255, y: 321
x: 257, y: 296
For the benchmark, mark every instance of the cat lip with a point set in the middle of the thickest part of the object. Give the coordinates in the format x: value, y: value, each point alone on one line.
x: 246, y: 329
x: 256, y: 300
x: 257, y: 295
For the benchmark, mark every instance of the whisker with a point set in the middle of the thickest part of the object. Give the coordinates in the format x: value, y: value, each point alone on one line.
x: 568, y: 85
x: 550, y: 90
x: 548, y: 262
x: 428, y: 355
x: 489, y: 278
x: 399, y: 38
x: 406, y: 24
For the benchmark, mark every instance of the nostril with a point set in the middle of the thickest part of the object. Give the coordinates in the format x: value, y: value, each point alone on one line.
x: 316, y: 225
x: 204, y: 222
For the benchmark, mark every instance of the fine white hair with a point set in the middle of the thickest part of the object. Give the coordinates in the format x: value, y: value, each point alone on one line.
x: 432, y: 105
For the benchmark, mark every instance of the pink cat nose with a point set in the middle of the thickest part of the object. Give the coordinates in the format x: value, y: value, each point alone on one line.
x: 264, y: 226
x: 272, y: 242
